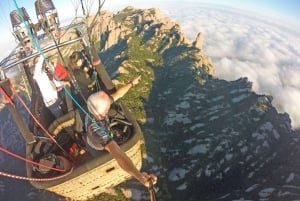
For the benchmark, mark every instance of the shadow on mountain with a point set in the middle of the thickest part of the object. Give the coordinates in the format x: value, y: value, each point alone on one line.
x: 218, y: 140
x: 205, y: 138
x: 109, y: 59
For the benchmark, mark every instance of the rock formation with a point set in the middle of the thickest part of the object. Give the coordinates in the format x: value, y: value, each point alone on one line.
x: 199, y: 41
x: 217, y: 140
x: 206, y: 139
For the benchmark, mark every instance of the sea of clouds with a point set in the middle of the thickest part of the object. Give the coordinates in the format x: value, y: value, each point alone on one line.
x: 246, y: 46
x: 243, y: 44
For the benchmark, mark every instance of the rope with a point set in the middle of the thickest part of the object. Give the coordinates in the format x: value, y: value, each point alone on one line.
x: 87, y: 114
x: 100, y: 5
x: 83, y: 11
x: 35, y: 179
x: 27, y: 29
x: 38, y: 123
x: 94, y: 72
x: 151, y: 191
x: 87, y: 60
x: 97, y: 82
x: 41, y: 53
x: 34, y: 39
x: 29, y: 161
x: 6, y: 97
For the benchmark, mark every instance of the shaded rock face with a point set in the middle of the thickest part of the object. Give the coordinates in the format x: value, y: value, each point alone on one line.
x: 220, y: 141
x: 210, y: 139
x: 206, y: 138
x: 10, y: 137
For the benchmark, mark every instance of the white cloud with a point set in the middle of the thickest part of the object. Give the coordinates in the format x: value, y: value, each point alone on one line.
x: 241, y: 46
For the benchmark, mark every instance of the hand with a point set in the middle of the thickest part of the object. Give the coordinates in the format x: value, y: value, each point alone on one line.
x: 35, y: 59
x: 136, y: 80
x: 67, y: 84
x: 26, y: 63
x: 146, y: 178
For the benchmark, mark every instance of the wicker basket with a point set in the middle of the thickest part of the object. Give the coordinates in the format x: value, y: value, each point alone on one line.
x: 99, y: 179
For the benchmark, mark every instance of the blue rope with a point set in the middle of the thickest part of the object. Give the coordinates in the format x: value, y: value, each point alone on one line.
x: 87, y: 114
x: 37, y: 45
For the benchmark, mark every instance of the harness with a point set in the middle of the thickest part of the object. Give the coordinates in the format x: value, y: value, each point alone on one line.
x: 85, y: 83
x: 93, y: 138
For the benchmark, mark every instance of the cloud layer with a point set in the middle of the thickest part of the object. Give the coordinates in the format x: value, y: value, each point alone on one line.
x: 245, y: 46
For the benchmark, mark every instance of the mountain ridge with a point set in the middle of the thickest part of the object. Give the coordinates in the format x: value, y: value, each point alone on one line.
x: 205, y: 138
x: 220, y: 131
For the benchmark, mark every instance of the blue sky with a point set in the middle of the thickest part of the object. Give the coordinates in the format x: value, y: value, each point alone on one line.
x: 286, y: 8
x: 289, y: 9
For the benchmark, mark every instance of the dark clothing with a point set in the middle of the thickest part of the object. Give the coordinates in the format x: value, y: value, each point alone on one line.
x: 86, y: 84
x: 62, y: 95
x: 56, y: 108
x: 98, y: 134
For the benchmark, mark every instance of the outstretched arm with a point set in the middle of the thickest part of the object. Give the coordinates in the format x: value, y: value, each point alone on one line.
x: 38, y: 65
x: 126, y: 164
x: 124, y: 89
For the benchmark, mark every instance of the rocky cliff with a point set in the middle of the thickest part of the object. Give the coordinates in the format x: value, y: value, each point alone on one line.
x: 205, y: 138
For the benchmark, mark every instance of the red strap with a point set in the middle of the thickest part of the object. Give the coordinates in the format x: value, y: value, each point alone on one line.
x: 8, y: 99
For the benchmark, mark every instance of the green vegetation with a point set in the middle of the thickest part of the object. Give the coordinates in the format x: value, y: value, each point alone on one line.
x: 107, y: 197
x: 200, y: 80
x: 121, y: 16
x: 140, y: 61
x: 262, y: 106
